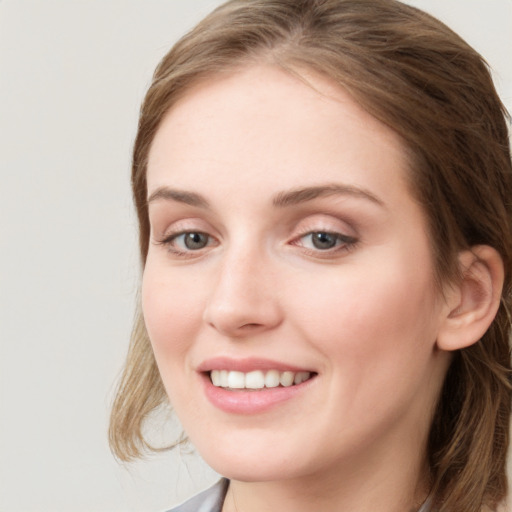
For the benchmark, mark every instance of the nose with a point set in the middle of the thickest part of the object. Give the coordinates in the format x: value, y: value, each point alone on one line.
x: 244, y: 300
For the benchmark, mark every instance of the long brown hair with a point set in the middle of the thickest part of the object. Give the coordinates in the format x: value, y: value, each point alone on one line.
x: 418, y: 77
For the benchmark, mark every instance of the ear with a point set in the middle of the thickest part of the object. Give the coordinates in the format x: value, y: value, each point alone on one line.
x: 473, y: 301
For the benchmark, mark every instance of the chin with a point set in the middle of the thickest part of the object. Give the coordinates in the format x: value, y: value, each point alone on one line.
x: 254, y: 463
x: 251, y: 471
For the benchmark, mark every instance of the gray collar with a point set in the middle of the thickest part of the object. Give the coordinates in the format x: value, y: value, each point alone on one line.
x: 212, y: 500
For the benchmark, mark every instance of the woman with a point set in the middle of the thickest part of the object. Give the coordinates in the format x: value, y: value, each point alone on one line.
x: 323, y: 191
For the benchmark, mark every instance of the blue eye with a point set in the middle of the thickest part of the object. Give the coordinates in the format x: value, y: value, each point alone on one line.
x: 191, y: 240
x: 195, y: 241
x: 188, y: 242
x: 324, y: 240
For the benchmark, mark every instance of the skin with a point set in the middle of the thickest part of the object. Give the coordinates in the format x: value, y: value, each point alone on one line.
x: 364, y: 315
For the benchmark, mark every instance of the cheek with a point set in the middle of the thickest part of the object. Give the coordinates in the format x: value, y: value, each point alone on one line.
x: 372, y: 319
x: 172, y: 311
x: 171, y: 305
x: 376, y: 332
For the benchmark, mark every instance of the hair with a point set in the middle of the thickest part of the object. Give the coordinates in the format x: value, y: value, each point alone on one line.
x: 414, y: 74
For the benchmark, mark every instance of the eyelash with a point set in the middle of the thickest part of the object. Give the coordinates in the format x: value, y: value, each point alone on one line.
x: 343, y: 243
x: 169, y: 242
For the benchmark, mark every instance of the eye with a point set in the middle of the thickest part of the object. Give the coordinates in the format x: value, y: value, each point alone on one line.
x: 187, y: 242
x: 192, y: 241
x: 325, y: 241
x: 322, y: 240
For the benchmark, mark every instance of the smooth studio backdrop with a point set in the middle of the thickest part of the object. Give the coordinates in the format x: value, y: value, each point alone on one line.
x: 72, y: 76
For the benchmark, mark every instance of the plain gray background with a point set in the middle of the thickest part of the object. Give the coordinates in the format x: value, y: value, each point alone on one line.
x: 72, y: 75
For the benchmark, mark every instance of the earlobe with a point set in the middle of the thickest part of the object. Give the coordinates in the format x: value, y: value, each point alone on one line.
x: 472, y: 302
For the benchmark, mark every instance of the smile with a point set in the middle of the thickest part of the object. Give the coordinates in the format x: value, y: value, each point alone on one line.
x: 253, y: 385
x: 257, y: 379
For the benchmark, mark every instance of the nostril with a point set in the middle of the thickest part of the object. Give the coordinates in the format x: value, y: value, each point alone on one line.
x: 241, y: 314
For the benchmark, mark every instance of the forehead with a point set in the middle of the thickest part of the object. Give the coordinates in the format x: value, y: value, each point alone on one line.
x: 264, y: 124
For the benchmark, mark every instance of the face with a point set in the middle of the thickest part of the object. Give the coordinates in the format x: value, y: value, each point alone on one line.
x: 288, y: 291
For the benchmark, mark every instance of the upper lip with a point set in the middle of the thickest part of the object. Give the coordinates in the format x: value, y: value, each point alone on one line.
x: 247, y: 365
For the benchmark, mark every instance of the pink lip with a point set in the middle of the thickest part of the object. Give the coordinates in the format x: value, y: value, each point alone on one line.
x: 247, y: 365
x: 248, y: 401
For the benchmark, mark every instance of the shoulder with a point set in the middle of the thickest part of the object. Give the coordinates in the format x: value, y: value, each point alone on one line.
x: 210, y: 500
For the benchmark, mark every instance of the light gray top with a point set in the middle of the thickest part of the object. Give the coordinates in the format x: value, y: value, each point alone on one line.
x: 212, y: 500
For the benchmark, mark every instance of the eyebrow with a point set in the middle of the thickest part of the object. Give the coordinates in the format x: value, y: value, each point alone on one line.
x: 180, y: 196
x: 280, y: 200
x: 302, y: 195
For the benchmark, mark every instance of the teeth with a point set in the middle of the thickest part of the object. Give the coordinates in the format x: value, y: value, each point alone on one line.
x: 301, y: 377
x: 257, y: 379
x: 236, y: 380
x: 286, y: 378
x: 215, y: 376
x: 272, y: 379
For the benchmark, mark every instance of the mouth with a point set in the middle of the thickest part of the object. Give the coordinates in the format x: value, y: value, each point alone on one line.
x: 257, y: 379
x: 253, y: 385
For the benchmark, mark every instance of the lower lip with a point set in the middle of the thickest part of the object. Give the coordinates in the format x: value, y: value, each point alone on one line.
x: 253, y: 401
